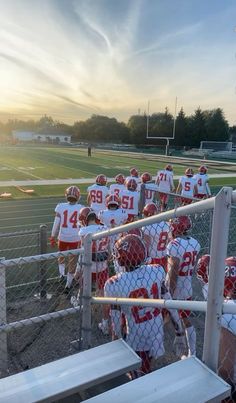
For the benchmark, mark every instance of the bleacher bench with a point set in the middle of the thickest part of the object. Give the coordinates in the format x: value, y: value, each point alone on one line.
x: 186, y: 381
x: 69, y: 375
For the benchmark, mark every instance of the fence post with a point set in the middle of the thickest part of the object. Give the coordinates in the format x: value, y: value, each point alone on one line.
x: 218, y: 252
x: 87, y: 293
x: 3, y: 320
x: 43, y: 265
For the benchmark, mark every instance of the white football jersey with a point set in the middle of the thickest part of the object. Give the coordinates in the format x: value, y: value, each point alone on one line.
x: 144, y: 324
x: 159, y: 237
x: 113, y: 218
x: 101, y: 245
x: 186, y: 250
x: 187, y: 184
x: 130, y: 201
x: 116, y: 188
x: 69, y: 224
x: 136, y: 178
x: 98, y: 195
x: 228, y: 321
x: 165, y: 180
x: 150, y: 190
x: 201, y: 181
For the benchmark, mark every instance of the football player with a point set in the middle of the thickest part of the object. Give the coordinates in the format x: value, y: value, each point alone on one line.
x: 115, y: 188
x: 202, y: 179
x: 156, y: 237
x: 144, y: 324
x: 182, y: 252
x: 130, y: 199
x: 148, y: 190
x: 100, y: 256
x: 227, y: 353
x: 65, y: 228
x: 97, y: 194
x: 187, y: 187
x: 133, y: 175
x: 113, y: 215
x: 165, y: 184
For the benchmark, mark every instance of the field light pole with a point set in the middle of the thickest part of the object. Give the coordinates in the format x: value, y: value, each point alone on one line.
x: 148, y: 118
x: 173, y: 133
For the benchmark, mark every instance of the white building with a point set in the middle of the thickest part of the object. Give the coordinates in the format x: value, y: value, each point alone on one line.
x: 41, y: 137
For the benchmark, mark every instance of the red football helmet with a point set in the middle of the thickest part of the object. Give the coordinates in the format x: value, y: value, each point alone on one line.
x: 180, y: 225
x: 202, y: 169
x: 189, y: 172
x: 112, y: 200
x: 134, y: 172
x: 203, y: 268
x: 72, y: 193
x: 120, y: 178
x: 146, y: 177
x: 150, y: 209
x: 130, y: 251
x: 101, y: 180
x: 168, y: 167
x: 136, y: 231
x: 230, y: 276
x: 85, y: 214
x: 131, y: 184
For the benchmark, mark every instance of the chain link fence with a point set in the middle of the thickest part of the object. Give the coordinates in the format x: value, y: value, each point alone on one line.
x: 41, y: 323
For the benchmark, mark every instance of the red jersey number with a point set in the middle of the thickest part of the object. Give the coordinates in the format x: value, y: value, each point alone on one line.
x: 189, y: 260
x: 96, y: 196
x: 187, y: 186
x: 127, y: 202
x: 72, y: 219
x: 143, y: 293
x: 163, y: 238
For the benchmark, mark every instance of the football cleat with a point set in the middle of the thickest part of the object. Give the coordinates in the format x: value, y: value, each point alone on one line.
x: 130, y: 251
x: 150, y: 209
x: 72, y: 193
x: 120, y: 179
x: 146, y: 177
x: 131, y: 184
x: 180, y: 225
x: 101, y: 180
x: 189, y: 172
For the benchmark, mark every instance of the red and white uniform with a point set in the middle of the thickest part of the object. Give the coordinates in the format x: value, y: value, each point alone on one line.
x: 116, y: 188
x: 150, y: 191
x: 188, y: 184
x: 113, y: 218
x: 202, y: 185
x: 100, y: 250
x: 144, y: 324
x: 186, y: 250
x: 159, y: 234
x: 66, y: 223
x: 165, y: 181
x: 130, y: 202
x: 136, y: 178
x: 228, y: 321
x: 97, y: 194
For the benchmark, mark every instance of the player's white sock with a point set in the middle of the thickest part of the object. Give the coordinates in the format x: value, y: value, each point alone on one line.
x: 69, y: 279
x: 61, y: 267
x: 191, y: 340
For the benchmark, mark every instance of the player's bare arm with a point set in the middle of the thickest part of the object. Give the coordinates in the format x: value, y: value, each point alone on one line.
x: 173, y: 269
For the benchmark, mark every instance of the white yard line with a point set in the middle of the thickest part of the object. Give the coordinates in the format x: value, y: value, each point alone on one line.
x: 24, y: 171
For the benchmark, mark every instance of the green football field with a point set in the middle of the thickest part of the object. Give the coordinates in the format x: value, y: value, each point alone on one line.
x: 23, y: 211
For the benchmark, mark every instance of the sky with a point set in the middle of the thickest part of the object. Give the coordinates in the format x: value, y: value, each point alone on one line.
x: 73, y: 58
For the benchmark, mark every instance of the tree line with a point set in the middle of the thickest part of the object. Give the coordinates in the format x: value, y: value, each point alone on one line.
x: 190, y: 130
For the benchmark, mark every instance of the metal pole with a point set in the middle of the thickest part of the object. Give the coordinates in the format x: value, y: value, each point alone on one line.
x: 3, y: 320
x: 87, y: 293
x: 218, y: 252
x: 43, y: 265
x: 167, y: 146
x: 173, y: 134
